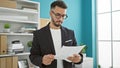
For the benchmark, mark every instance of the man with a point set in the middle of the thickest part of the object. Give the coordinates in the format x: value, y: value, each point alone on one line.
x: 48, y: 40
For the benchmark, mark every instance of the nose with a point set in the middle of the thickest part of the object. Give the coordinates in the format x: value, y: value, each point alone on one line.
x: 61, y: 18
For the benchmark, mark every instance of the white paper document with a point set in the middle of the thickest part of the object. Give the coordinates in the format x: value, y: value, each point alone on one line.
x: 67, y: 51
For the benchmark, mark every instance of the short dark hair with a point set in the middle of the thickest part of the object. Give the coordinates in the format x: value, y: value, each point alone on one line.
x: 59, y: 3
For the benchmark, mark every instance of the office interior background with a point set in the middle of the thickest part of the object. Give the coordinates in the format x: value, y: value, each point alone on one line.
x: 96, y: 24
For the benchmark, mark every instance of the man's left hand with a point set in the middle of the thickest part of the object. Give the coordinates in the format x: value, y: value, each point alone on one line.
x: 75, y: 58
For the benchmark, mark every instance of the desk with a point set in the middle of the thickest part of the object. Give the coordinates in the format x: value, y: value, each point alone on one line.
x: 87, y: 63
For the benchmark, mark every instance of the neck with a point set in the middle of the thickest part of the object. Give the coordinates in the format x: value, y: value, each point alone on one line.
x: 53, y: 26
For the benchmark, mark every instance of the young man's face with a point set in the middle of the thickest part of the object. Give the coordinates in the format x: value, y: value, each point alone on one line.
x: 57, y: 16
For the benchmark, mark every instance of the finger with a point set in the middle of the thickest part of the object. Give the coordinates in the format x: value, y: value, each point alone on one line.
x: 51, y: 56
x: 47, y: 63
x: 46, y: 58
x: 75, y: 54
x: 70, y: 58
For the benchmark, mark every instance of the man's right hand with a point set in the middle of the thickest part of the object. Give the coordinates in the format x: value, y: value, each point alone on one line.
x: 47, y: 59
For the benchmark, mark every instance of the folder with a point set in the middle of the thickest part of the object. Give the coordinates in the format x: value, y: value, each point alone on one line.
x: 15, y: 62
x: 8, y: 4
x: 8, y: 62
x: 3, y: 44
x: 2, y: 62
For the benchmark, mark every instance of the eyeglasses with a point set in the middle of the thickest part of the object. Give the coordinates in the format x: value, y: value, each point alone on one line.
x: 58, y: 15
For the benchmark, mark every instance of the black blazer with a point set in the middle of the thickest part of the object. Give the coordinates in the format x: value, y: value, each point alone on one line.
x: 43, y: 44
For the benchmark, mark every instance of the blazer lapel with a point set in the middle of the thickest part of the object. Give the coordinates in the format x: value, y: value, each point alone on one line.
x: 63, y: 33
x: 64, y: 38
x: 50, y: 43
x: 50, y: 40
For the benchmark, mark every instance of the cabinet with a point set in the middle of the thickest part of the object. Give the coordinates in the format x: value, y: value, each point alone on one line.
x: 8, y: 62
x: 87, y: 63
x: 23, y: 19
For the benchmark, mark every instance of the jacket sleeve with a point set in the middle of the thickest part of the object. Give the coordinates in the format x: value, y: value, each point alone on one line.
x: 75, y: 44
x: 35, y: 53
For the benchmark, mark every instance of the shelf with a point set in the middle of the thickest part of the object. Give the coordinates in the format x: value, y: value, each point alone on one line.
x: 17, y: 11
x: 19, y: 54
x: 18, y: 21
x: 6, y: 55
x: 28, y: 1
x: 24, y: 19
x: 17, y: 15
x: 21, y: 34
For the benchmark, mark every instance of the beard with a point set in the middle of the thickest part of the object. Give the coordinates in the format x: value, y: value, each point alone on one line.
x: 56, y: 23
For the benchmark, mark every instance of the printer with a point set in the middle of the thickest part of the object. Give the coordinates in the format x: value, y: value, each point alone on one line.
x: 17, y: 46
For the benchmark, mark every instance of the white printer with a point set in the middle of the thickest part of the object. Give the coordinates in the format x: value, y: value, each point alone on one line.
x: 17, y: 46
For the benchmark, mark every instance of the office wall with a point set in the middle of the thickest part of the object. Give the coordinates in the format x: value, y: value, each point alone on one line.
x: 74, y: 18
x: 89, y: 28
x: 87, y: 25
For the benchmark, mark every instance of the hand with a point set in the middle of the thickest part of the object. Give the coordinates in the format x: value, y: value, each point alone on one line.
x: 47, y: 59
x: 75, y: 58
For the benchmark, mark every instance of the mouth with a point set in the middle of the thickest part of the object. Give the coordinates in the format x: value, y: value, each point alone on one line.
x: 59, y: 22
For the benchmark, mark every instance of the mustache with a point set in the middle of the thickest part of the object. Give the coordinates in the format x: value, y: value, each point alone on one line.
x: 58, y: 21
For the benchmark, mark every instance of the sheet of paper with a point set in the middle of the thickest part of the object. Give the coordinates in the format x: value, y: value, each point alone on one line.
x: 67, y: 51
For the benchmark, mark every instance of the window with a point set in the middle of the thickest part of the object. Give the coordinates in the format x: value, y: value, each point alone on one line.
x: 108, y: 25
